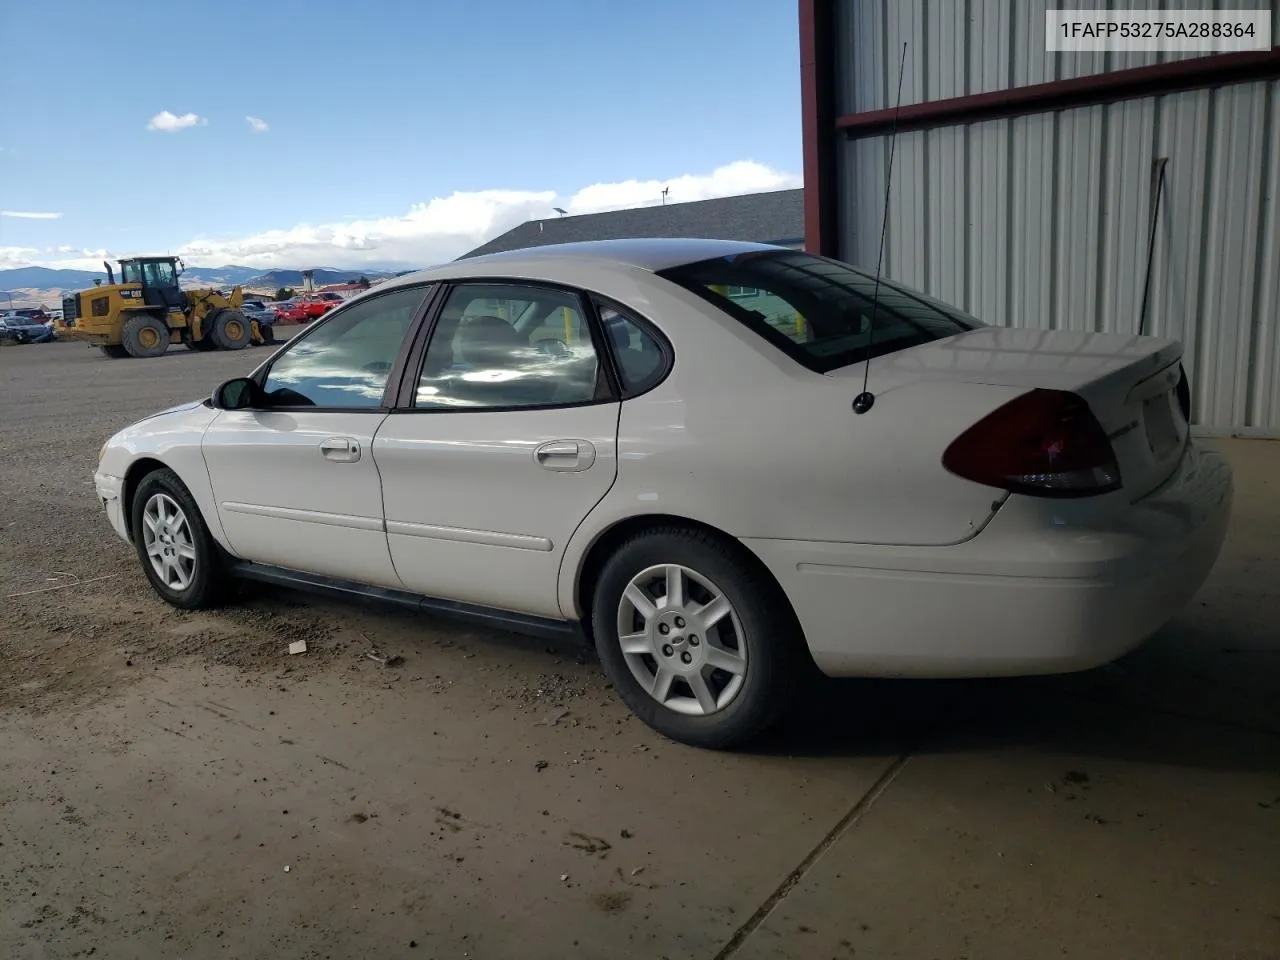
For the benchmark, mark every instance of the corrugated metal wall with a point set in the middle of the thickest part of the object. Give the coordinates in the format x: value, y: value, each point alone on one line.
x: 1042, y: 221
x: 958, y: 48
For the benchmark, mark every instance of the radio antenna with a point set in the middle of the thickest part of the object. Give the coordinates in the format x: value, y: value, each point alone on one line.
x: 865, y: 400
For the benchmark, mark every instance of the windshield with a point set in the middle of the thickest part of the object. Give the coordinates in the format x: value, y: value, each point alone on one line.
x: 130, y: 273
x: 819, y: 311
x: 159, y: 274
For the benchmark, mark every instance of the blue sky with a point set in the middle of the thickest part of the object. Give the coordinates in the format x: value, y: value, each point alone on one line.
x: 401, y: 132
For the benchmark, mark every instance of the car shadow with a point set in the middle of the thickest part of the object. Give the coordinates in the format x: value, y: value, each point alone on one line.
x: 1197, y: 695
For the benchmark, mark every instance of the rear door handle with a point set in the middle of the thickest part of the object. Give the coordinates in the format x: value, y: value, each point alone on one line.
x: 340, y: 449
x: 565, y: 455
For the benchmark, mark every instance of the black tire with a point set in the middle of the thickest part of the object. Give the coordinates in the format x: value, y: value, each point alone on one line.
x: 268, y: 334
x: 145, y: 336
x: 230, y: 330
x: 114, y: 351
x: 776, y: 653
x: 209, y: 581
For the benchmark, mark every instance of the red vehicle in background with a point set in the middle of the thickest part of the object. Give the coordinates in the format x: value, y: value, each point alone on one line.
x: 318, y: 304
x: 291, y: 311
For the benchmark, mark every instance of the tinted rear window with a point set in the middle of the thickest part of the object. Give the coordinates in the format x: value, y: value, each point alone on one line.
x: 819, y: 311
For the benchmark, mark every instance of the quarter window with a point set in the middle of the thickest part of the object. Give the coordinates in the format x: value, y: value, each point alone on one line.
x: 641, y: 363
x: 346, y: 360
x: 510, y: 345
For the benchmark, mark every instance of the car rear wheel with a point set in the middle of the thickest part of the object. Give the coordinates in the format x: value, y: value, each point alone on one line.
x: 145, y: 336
x: 178, y: 554
x: 699, y: 642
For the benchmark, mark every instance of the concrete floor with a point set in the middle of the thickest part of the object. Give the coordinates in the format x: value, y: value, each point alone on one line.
x: 489, y: 798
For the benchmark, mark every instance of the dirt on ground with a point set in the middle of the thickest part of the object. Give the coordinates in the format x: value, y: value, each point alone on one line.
x: 178, y: 784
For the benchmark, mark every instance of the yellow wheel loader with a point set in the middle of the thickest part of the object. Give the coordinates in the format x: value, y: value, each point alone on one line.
x: 146, y: 312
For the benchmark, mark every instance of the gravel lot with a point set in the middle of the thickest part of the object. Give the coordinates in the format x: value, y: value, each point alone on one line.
x: 177, y: 785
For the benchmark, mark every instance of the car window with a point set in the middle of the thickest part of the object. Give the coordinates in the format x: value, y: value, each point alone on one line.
x: 641, y: 361
x: 816, y: 310
x: 478, y: 358
x: 346, y: 359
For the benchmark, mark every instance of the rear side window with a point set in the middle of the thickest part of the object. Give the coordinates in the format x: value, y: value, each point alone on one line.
x: 818, y: 311
x: 642, y: 361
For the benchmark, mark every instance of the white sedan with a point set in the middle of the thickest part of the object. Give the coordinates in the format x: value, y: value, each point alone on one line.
x: 667, y: 445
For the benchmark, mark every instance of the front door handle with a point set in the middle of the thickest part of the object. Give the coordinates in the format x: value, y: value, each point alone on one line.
x: 565, y: 455
x: 340, y: 449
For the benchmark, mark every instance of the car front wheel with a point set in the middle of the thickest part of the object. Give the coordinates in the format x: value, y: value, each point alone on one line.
x: 178, y: 554
x: 697, y: 639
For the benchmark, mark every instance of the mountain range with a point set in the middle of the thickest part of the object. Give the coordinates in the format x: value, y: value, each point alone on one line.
x: 46, y: 278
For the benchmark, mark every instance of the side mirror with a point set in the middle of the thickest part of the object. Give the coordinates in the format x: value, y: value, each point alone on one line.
x: 238, y: 394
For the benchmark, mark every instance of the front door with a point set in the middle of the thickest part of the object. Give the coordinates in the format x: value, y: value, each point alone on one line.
x: 510, y: 441
x: 295, y: 480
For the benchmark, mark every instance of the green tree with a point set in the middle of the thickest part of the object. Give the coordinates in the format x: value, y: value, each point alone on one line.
x: 364, y: 283
x: 284, y: 293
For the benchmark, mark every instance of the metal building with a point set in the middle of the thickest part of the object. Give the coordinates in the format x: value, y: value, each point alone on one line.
x: 1024, y: 181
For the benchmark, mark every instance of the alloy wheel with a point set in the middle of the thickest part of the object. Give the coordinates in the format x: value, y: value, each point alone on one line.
x: 166, y: 534
x: 682, y: 640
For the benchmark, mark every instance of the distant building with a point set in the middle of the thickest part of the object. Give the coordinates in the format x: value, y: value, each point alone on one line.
x: 344, y: 290
x: 776, y: 217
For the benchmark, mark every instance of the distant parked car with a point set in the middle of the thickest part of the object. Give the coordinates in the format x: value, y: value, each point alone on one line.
x: 22, y: 329
x: 30, y: 313
x: 264, y: 315
x: 319, y: 304
x: 290, y: 311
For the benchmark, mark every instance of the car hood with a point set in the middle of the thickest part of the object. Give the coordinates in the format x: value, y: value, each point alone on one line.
x: 180, y: 408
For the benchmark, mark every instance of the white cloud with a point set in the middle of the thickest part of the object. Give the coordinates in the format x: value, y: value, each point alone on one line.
x: 16, y: 257
x: 30, y: 215
x: 257, y: 124
x: 168, y: 123
x: 445, y: 227
x: 745, y: 176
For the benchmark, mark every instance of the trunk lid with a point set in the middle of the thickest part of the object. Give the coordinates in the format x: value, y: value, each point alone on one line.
x: 1130, y: 384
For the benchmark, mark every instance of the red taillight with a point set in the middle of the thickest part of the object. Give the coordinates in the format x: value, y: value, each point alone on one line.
x: 1046, y: 443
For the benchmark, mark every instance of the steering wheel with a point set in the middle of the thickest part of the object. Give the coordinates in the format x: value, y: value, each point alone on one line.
x: 551, y: 347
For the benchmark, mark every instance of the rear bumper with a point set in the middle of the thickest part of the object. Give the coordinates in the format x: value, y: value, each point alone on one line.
x: 1047, y: 587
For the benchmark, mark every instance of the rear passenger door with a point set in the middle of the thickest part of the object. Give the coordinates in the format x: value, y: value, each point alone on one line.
x: 509, y: 440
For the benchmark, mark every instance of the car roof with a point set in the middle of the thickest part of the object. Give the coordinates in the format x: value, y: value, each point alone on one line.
x: 647, y: 254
